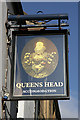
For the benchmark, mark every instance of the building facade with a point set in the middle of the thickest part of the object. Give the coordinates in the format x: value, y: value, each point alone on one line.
x: 13, y: 8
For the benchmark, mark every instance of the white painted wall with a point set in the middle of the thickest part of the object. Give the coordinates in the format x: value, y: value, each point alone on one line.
x: 0, y: 56
x: 29, y: 109
x: 4, y: 40
x: 26, y: 108
x: 20, y: 113
x: 3, y: 52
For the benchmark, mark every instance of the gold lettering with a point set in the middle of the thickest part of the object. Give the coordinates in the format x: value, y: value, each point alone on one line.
x: 61, y: 84
x: 18, y: 85
x: 55, y: 84
x: 51, y: 84
x: 41, y: 84
x: 35, y: 84
x: 22, y: 85
x: 27, y: 84
x: 46, y: 84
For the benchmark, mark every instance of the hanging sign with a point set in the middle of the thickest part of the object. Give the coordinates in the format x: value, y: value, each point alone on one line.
x: 40, y: 65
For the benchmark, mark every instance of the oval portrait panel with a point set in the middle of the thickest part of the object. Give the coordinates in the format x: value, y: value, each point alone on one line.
x: 39, y: 57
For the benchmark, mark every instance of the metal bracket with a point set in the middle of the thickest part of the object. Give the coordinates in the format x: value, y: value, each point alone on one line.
x: 36, y: 19
x: 8, y: 32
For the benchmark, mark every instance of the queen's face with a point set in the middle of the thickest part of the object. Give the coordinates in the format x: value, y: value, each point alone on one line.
x: 40, y: 48
x: 39, y: 57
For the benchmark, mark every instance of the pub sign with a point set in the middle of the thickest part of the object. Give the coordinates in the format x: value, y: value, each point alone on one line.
x: 40, y: 65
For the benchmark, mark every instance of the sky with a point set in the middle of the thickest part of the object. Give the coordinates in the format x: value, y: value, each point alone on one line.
x: 68, y: 108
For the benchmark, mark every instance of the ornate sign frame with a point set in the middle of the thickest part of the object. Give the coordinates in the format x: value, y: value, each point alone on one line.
x: 39, y: 67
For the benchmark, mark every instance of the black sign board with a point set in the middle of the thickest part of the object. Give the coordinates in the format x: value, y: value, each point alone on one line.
x: 40, y: 65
